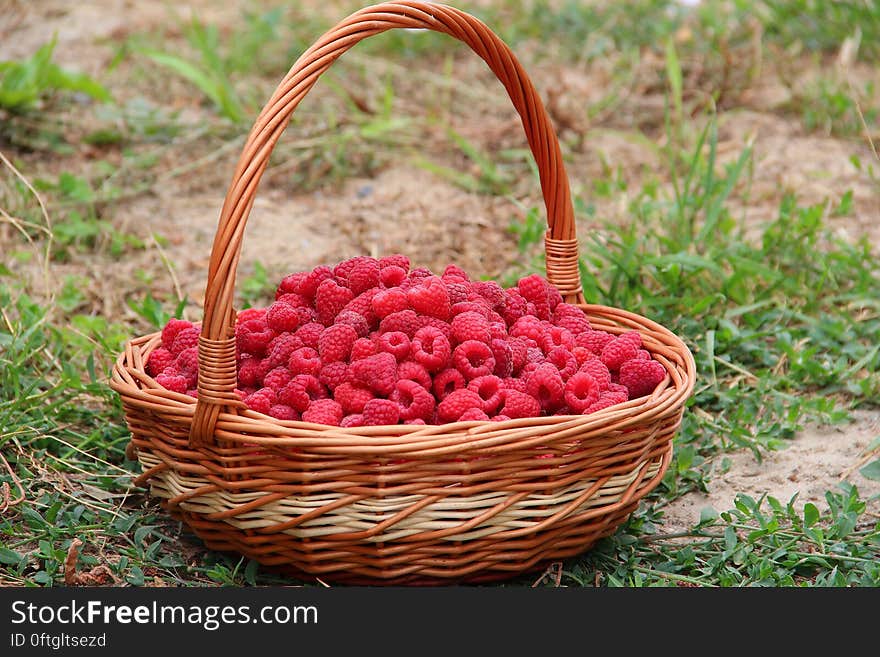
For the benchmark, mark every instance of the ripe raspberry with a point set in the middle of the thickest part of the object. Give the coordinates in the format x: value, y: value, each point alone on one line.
x: 343, y: 270
x: 575, y: 324
x: 458, y: 292
x: 187, y: 364
x: 186, y: 338
x: 414, y: 401
x: 380, y: 412
x: 644, y: 354
x: 430, y: 298
x: 536, y: 289
x: 281, y: 348
x: 553, y: 297
x: 528, y: 326
x: 405, y: 321
x: 534, y: 356
x: 633, y: 336
x: 282, y: 412
x: 499, y: 418
x: 490, y: 390
x: 171, y: 329
x: 455, y: 274
x: 291, y: 284
x: 172, y: 382
x: 362, y: 348
x: 474, y: 304
x: 413, y: 371
x: 456, y: 403
x: 582, y: 355
x: 594, y: 340
x: 503, y: 354
x: 249, y: 372
x: 323, y: 411
x: 352, y: 398
x: 386, y: 302
x: 418, y: 274
x: 417, y: 420
x: 253, y: 336
x: 473, y: 359
x: 277, y: 378
x: 395, y: 343
x: 599, y: 371
x: 470, y: 326
x: 364, y: 275
x: 641, y: 376
x: 618, y: 351
x: 446, y: 382
x: 431, y: 349
x: 158, y: 360
x: 605, y: 400
x: 335, y: 342
x: 514, y: 306
x: 517, y: 384
x: 333, y: 374
x: 392, y: 276
x: 310, y: 334
x: 394, y: 260
x: 519, y: 351
x: 305, y: 361
x: 358, y: 322
x: 556, y: 336
x: 519, y: 404
x: 564, y: 361
x: 444, y: 327
x: 545, y: 385
x: 248, y: 314
x: 473, y: 414
x: 309, y: 285
x: 302, y: 390
x: 378, y: 373
x: 261, y: 401
x: 330, y: 299
x: 581, y: 391
x: 362, y: 304
x: 354, y: 420
x: 282, y: 317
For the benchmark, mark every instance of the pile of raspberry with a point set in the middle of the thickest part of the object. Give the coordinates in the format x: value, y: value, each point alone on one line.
x: 374, y: 342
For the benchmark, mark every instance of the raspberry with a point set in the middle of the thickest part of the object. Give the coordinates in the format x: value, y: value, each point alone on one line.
x: 605, y: 400
x: 473, y: 359
x: 417, y: 420
x: 333, y: 374
x: 362, y: 304
x: 535, y: 289
x: 566, y: 310
x: 446, y: 382
x: 458, y: 292
x: 430, y: 298
x: 172, y: 382
x: 556, y: 336
x: 517, y: 384
x: 489, y: 388
x: 261, y: 401
x: 362, y: 348
x: 310, y: 334
x: 394, y: 260
x: 514, y: 306
x: 364, y: 275
x: 534, y: 356
x: 431, y: 349
x: 633, y: 336
x: 444, y: 327
x: 553, y: 297
x: 323, y: 411
x: 171, y: 329
x: 291, y: 284
x: 455, y: 273
x: 392, y: 276
x: 187, y: 364
x: 395, y: 343
x: 618, y: 351
x: 378, y: 373
x: 414, y: 401
x: 503, y: 354
x: 248, y: 314
x: 344, y: 269
x: 595, y: 341
x: 581, y: 391
x: 644, y: 354
x: 253, y: 336
x: 335, y: 342
x: 419, y: 274
x: 499, y: 418
x: 564, y: 361
x: 413, y: 371
x: 358, y: 322
x: 309, y: 285
x: 519, y: 352
x: 302, y: 390
x: 281, y: 348
x: 491, y: 292
x: 456, y: 403
x: 248, y: 372
x: 282, y: 317
x: 478, y: 305
x: 575, y: 324
x: 528, y: 326
x: 277, y: 378
x: 292, y: 299
x: 473, y: 414
x: 330, y: 299
x: 470, y: 326
x: 352, y: 398
x: 599, y: 371
x: 582, y: 355
x: 641, y: 376
x: 282, y: 412
x: 519, y: 404
x: 186, y: 338
x: 354, y: 420
x: 158, y: 360
x: 386, y: 302
x: 379, y: 412
x: 545, y: 384
x: 497, y: 330
x: 305, y: 361
x: 405, y: 321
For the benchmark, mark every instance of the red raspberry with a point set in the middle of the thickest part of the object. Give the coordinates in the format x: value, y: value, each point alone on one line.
x: 640, y: 377
x: 253, y: 336
x: 519, y: 352
x: 599, y: 371
x: 248, y: 314
x: 281, y: 348
x: 158, y: 360
x: 446, y: 382
x: 352, y: 398
x: 581, y: 391
x: 335, y: 342
x: 302, y: 390
x: 309, y: 285
x: 410, y: 369
x: 517, y: 384
x: 473, y: 359
x: 503, y: 354
x: 357, y: 322
x: 595, y: 341
x: 470, y: 326
x: 362, y: 304
x: 310, y: 334
x: 418, y: 274
x: 618, y: 351
x: 354, y: 420
x: 567, y: 310
x: 330, y: 299
x: 528, y: 326
x: 534, y: 356
x: 473, y: 414
x: 431, y: 348
x: 478, y: 305
x: 545, y: 384
x: 458, y: 292
x: 378, y: 373
x: 633, y: 336
x: 644, y: 354
x: 282, y: 317
x: 556, y: 336
x: 186, y: 338
x: 395, y: 343
x: 499, y: 418
x: 333, y: 374
x: 417, y: 420
x: 455, y: 273
x: 490, y: 390
x: 497, y: 330
x: 362, y: 348
x: 536, y: 290
x: 576, y: 325
x: 282, y: 412
x: 491, y: 292
x: 364, y: 275
x: 187, y: 364
x: 414, y: 401
x: 392, y: 276
x: 343, y: 270
x: 305, y: 361
x: 553, y: 297
x: 564, y: 361
x: 514, y: 306
x: 248, y: 372
x: 291, y: 283
x: 323, y: 411
x: 277, y: 378
x: 430, y: 298
x: 605, y: 400
x: 386, y: 302
x: 293, y: 300
x: 261, y: 401
x: 444, y: 327
x: 394, y: 260
x: 456, y: 403
x: 172, y: 382
x: 519, y: 404
x: 582, y: 355
x: 405, y: 321
x: 171, y: 329
x: 380, y: 412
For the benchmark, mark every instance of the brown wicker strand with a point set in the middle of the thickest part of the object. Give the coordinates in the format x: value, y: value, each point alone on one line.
x: 562, y: 268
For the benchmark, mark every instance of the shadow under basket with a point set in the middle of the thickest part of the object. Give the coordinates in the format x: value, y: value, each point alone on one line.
x: 438, y: 504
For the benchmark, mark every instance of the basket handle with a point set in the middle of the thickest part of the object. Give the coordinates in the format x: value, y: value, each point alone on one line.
x: 217, y: 368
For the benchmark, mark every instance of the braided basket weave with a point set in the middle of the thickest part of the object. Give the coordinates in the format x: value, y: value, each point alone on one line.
x: 460, y: 502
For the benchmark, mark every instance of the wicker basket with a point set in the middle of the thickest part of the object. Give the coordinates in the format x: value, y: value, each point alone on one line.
x: 460, y: 502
